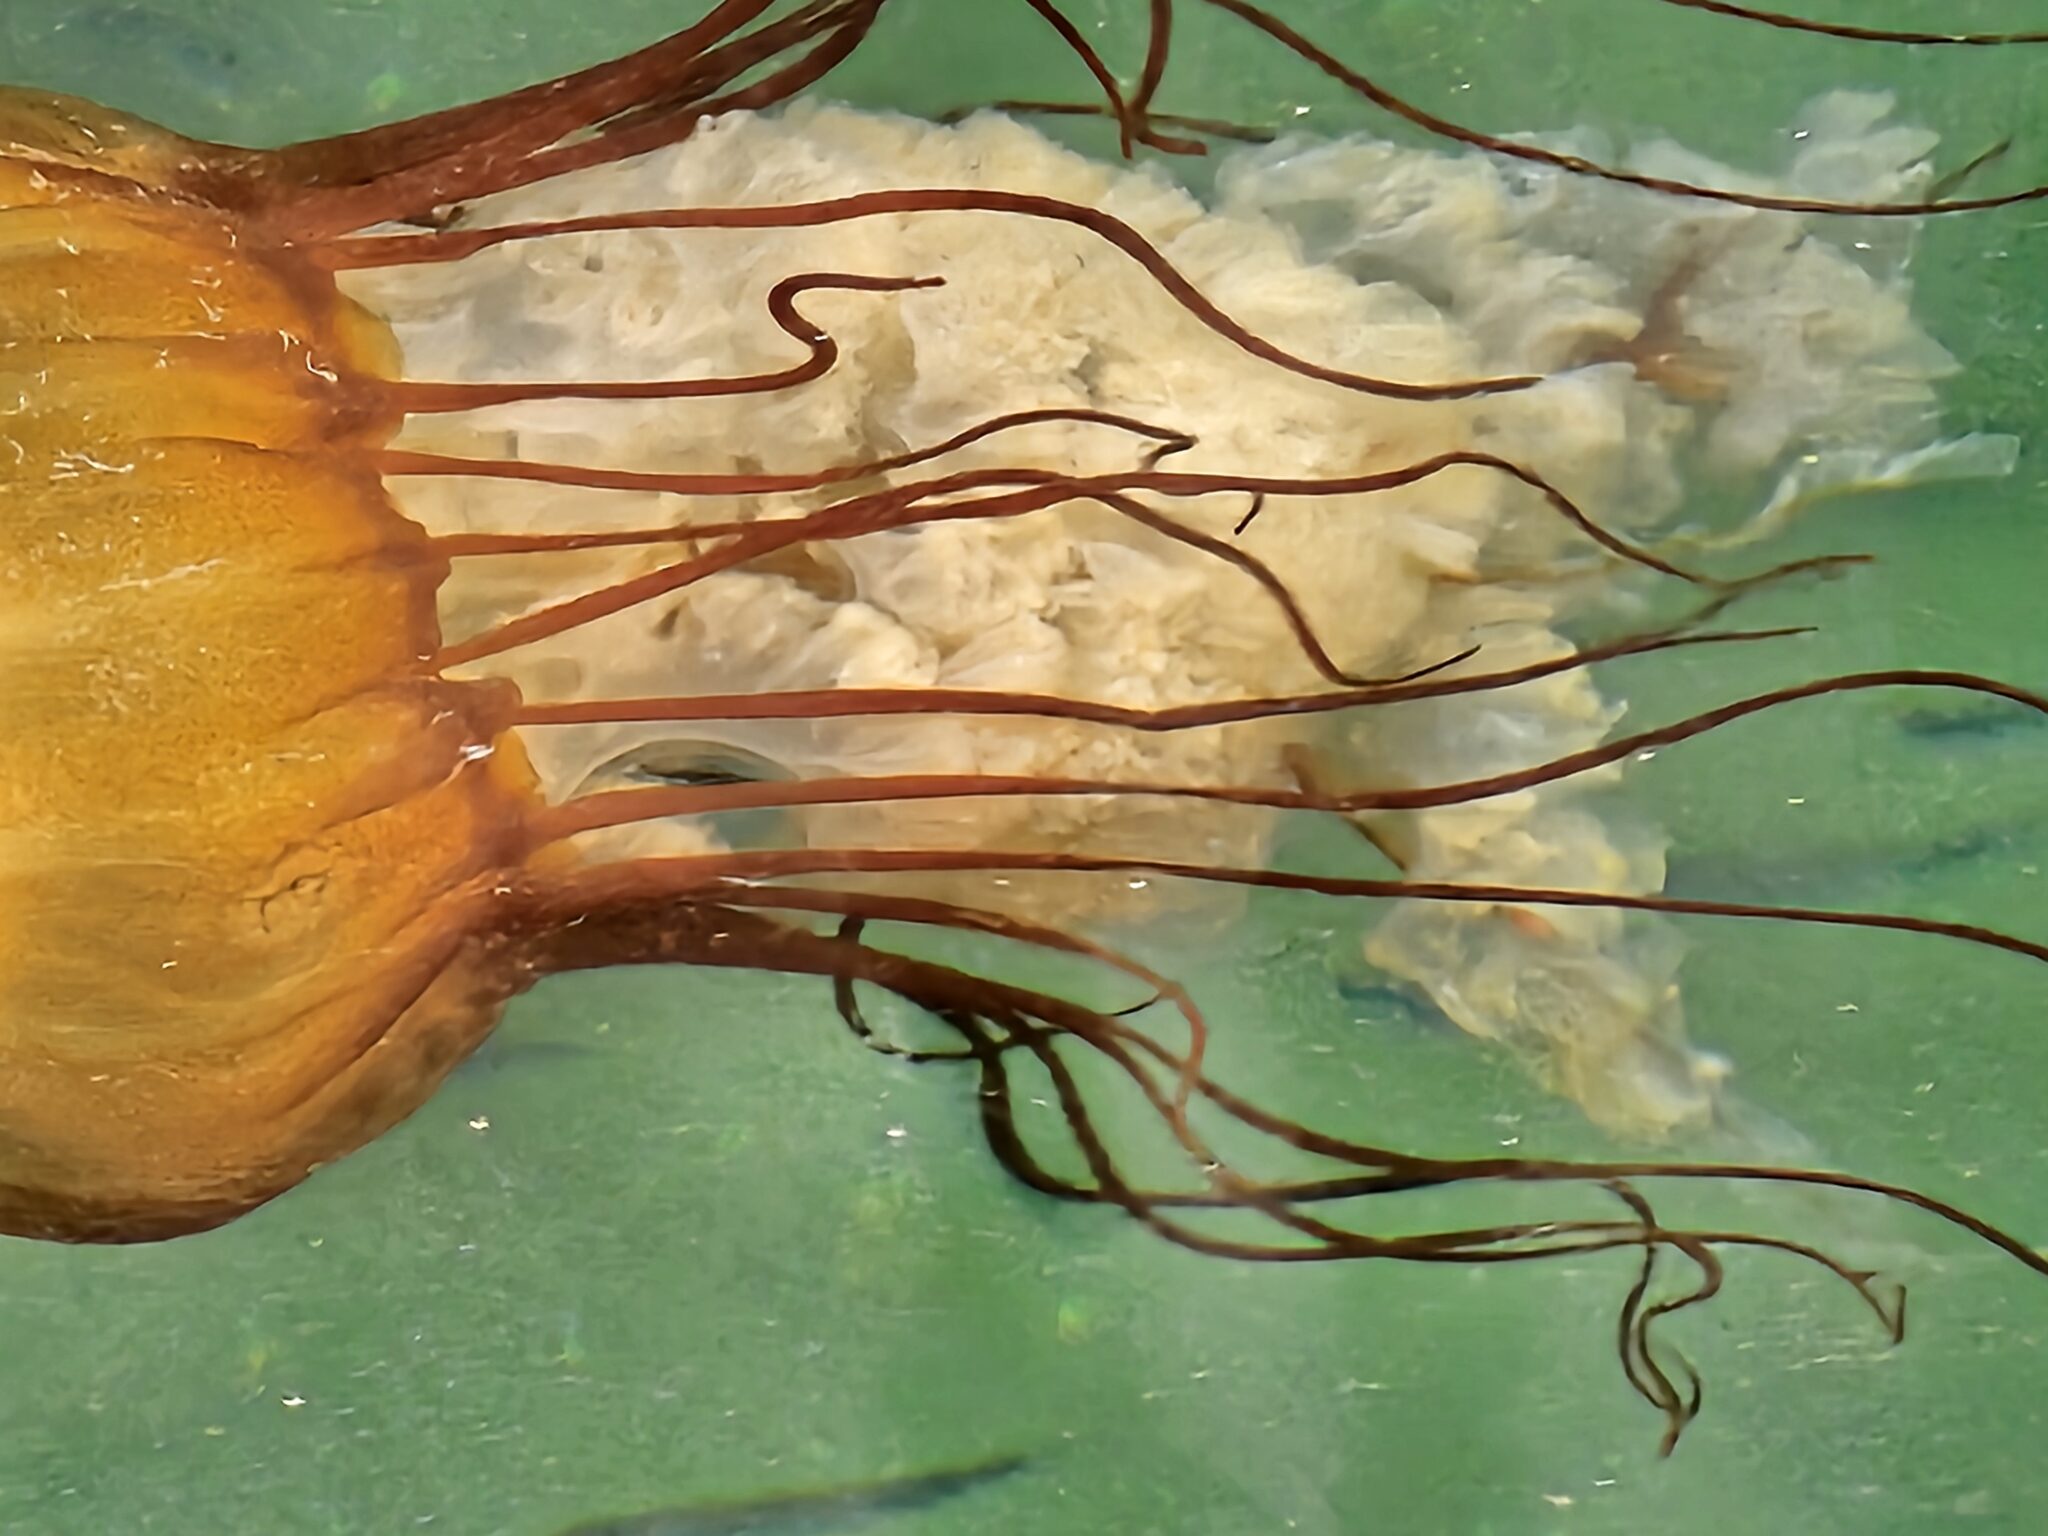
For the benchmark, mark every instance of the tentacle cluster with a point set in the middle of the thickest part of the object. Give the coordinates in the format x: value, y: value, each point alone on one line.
x: 998, y: 1023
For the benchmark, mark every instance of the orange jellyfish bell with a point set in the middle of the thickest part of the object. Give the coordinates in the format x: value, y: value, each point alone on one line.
x: 228, y: 779
x: 249, y: 830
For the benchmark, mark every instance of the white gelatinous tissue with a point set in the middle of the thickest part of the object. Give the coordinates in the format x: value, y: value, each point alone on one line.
x: 1686, y: 339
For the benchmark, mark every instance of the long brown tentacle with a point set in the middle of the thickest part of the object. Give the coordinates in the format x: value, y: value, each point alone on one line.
x: 1848, y: 31
x: 676, y: 116
x: 1578, y: 165
x: 1136, y: 122
x: 900, y: 505
x: 401, y: 463
x: 641, y: 102
x: 369, y: 251
x: 1202, y: 127
x: 858, y: 703
x: 516, y: 123
x: 770, y: 864
x: 751, y: 541
x: 869, y: 906
x: 428, y: 397
x: 641, y: 912
x: 905, y: 506
x: 645, y: 100
x: 619, y: 807
x: 1131, y: 119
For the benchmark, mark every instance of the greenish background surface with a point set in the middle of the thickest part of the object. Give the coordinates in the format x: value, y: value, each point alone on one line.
x: 673, y: 1237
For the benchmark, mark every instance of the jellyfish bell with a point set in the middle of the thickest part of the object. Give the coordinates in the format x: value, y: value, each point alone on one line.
x: 615, y: 524
x: 218, y: 743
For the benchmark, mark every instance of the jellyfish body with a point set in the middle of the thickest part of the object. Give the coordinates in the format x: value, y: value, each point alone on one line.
x: 228, y: 779
x: 285, y: 824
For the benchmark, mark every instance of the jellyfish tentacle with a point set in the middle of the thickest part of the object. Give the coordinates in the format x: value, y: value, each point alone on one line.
x: 1136, y: 124
x: 1403, y: 1172
x: 1642, y: 1375
x: 885, y: 510
x: 1636, y: 1341
x: 620, y: 807
x: 324, y: 188
x: 1187, y: 483
x: 403, y: 463
x: 676, y: 115
x: 532, y: 117
x: 744, y: 542
x: 1202, y: 127
x: 368, y: 251
x: 618, y: 914
x: 859, y: 703
x: 1171, y: 483
x: 1756, y: 1173
x: 1360, y: 84
x: 320, y: 189
x: 907, y: 506
x: 1076, y: 40
x: 997, y: 1105
x: 1847, y: 31
x: 847, y: 1001
x: 767, y: 864
x: 1609, y: 752
x: 1636, y: 1322
x: 665, y: 910
x: 1158, y: 50
x: 623, y: 807
x: 648, y: 882
x: 427, y: 397
x: 1268, y: 580
x: 867, y: 906
x: 830, y: 28
x: 1512, y: 1242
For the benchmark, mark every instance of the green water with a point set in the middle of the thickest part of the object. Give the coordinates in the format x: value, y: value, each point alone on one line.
x: 674, y: 1238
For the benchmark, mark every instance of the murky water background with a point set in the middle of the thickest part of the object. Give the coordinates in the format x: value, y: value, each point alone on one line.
x: 673, y: 1236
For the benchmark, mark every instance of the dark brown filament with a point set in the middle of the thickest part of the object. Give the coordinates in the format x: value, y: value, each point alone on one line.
x: 994, y: 1020
x: 902, y: 507
x: 608, y: 113
x: 1206, y: 127
x: 427, y: 398
x: 402, y: 463
x: 905, y: 505
x: 453, y: 245
x: 1789, y: 23
x: 865, y: 703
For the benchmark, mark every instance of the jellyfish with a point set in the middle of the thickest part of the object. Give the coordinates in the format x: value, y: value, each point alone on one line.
x: 651, y: 518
